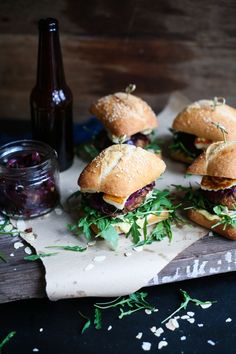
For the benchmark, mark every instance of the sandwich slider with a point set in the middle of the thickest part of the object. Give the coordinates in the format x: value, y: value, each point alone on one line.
x: 196, y: 127
x: 118, y: 194
x: 214, y: 204
x: 126, y: 119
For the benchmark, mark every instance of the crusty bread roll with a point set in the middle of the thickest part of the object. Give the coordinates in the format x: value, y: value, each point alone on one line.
x: 124, y: 227
x: 120, y: 170
x: 124, y: 114
x: 198, y: 218
x: 219, y: 160
x: 197, y: 117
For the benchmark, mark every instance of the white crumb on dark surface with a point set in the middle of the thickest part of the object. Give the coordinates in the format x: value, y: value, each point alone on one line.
x: 162, y: 344
x: 183, y: 338
x: 206, y: 306
x: 28, y: 250
x: 228, y: 319
x: 190, y: 313
x: 200, y: 324
x: 172, y: 324
x: 191, y: 320
x: 109, y: 328
x: 139, y: 335
x: 211, y: 342
x: 153, y: 329
x: 185, y: 317
x: 18, y: 245
x: 148, y: 312
x: 8, y: 228
x: 146, y: 346
x: 159, y: 332
x: 41, y: 330
x: 12, y: 255
x: 35, y: 350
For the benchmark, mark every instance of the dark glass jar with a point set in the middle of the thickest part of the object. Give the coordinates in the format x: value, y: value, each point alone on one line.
x: 29, y: 179
x: 51, y: 98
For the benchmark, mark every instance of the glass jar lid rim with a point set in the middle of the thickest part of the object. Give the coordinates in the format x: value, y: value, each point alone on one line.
x: 48, y: 153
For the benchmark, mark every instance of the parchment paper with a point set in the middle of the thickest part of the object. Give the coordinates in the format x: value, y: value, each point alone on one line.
x: 100, y: 271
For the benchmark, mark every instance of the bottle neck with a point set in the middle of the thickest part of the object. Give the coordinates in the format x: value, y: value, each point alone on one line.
x: 50, y: 72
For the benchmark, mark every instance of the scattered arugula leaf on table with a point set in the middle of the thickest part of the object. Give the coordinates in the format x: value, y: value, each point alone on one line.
x: 87, y: 324
x: 6, y: 340
x: 3, y: 257
x: 186, y: 300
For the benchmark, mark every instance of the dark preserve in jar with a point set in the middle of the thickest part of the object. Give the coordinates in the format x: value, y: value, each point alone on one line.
x: 29, y: 179
x: 51, y: 99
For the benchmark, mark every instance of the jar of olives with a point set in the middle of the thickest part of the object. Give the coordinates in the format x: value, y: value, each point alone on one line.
x: 29, y: 179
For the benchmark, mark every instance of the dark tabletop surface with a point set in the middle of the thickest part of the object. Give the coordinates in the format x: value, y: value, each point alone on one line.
x: 55, y: 327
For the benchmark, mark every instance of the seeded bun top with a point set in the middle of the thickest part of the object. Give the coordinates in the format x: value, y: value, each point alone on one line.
x: 219, y: 160
x: 121, y: 170
x: 197, y: 119
x: 124, y: 114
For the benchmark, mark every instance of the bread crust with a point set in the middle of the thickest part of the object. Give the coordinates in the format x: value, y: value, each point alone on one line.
x: 229, y: 232
x: 196, y: 119
x: 219, y: 160
x: 120, y: 170
x: 124, y: 114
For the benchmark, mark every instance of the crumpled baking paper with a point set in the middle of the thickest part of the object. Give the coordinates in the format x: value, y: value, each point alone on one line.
x: 99, y: 271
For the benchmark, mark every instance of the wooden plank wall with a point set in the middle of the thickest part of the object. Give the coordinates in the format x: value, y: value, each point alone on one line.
x: 161, y: 45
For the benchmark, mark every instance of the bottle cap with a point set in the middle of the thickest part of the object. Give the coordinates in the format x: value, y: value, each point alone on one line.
x: 49, y: 24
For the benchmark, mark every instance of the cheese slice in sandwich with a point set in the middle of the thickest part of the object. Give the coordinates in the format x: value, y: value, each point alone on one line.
x: 117, y: 202
x: 210, y: 183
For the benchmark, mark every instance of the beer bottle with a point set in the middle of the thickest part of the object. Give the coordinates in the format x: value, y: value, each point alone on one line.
x: 51, y: 98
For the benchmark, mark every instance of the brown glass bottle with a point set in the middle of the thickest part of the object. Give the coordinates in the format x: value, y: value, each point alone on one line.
x: 51, y: 99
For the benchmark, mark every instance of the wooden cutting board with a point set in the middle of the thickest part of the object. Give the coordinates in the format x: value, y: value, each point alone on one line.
x: 20, y: 279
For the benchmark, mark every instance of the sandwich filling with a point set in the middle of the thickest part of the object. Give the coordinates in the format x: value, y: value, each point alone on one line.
x: 188, y: 145
x: 113, y: 206
x: 101, y: 141
x: 215, y: 199
x: 99, y: 213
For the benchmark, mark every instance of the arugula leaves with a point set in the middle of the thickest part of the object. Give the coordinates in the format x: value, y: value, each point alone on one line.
x: 227, y: 217
x: 136, y: 221
x: 127, y: 305
x: 87, y: 150
x: 154, y: 147
x: 178, y: 145
x: 35, y: 257
x: 86, y: 325
x: 196, y: 200
x: 6, y: 340
x: 3, y: 257
x: 186, y: 300
x: 69, y: 248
